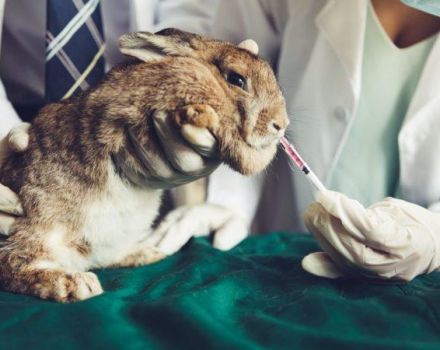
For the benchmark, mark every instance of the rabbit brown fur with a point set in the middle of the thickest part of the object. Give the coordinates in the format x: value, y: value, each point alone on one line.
x: 81, y: 213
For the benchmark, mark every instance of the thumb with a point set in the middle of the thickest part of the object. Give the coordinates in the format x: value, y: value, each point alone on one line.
x: 6, y: 223
x: 9, y: 201
x: 18, y: 137
x: 320, y: 264
x: 200, y: 139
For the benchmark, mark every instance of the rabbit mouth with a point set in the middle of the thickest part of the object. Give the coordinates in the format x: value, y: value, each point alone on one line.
x: 263, y: 142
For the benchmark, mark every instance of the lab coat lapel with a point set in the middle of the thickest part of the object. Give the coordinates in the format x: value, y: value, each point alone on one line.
x: 342, y: 22
x: 332, y: 66
x: 428, y: 87
x: 419, y: 143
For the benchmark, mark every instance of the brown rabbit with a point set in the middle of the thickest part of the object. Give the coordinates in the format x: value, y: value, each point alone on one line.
x: 81, y: 211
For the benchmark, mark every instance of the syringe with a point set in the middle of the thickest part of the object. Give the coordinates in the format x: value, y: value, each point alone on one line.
x: 301, y: 164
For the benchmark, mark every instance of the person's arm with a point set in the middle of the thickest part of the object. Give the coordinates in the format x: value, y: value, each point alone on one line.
x: 191, y: 15
x: 8, y: 116
x: 9, y: 203
x: 232, y: 21
x: 435, y: 207
x: 259, y: 20
x: 10, y: 207
x: 235, y: 21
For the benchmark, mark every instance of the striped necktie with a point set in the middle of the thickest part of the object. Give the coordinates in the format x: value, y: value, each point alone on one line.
x: 74, y: 47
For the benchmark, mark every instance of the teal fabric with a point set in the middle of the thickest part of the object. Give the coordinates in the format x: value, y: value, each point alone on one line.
x: 430, y: 6
x: 253, y: 297
x: 368, y: 167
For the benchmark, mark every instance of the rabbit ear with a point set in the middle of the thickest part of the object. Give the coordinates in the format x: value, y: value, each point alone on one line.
x: 147, y: 46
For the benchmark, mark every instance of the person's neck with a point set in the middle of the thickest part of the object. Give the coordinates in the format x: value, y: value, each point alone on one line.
x: 405, y: 25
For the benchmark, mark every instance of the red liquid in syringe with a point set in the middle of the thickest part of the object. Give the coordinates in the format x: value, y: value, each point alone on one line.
x: 301, y: 164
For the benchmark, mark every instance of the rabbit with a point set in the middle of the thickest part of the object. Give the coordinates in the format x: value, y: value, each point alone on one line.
x: 82, y: 212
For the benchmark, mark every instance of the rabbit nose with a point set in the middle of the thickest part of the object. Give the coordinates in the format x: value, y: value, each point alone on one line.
x: 277, y: 128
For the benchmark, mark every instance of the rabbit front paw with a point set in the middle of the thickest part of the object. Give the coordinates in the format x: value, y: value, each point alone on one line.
x: 199, y: 115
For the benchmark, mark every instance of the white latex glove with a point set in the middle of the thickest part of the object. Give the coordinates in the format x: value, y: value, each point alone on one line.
x: 17, y: 141
x: 190, y: 155
x: 391, y: 240
x: 183, y: 223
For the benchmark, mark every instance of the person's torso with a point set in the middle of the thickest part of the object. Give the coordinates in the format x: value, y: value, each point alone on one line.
x: 368, y: 166
x: 320, y: 71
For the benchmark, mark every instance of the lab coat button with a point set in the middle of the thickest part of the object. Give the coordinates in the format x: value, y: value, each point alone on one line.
x: 342, y: 114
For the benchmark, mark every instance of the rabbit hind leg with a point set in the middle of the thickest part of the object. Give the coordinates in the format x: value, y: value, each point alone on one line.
x: 144, y: 256
x: 29, y: 265
x: 58, y: 285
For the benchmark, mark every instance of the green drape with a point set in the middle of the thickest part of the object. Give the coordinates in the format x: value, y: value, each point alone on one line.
x: 253, y: 297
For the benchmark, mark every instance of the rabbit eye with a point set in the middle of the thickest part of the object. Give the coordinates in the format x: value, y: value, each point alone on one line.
x: 236, y: 79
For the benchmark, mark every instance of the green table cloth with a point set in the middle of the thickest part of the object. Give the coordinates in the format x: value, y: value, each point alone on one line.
x: 253, y: 297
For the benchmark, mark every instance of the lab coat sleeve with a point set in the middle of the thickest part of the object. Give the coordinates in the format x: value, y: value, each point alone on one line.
x: 231, y: 20
x: 235, y: 21
x: 435, y: 207
x: 235, y: 191
x: 191, y: 15
x: 8, y: 116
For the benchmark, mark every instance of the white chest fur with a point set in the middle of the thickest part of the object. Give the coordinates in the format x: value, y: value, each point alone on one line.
x: 118, y: 220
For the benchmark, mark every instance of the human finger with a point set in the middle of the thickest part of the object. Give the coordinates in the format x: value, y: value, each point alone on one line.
x: 9, y: 201
x: 322, y: 265
x: 181, y: 156
x: 18, y: 137
x: 6, y: 223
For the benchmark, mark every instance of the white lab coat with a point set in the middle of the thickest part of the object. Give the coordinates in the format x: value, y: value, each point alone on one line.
x: 317, y: 47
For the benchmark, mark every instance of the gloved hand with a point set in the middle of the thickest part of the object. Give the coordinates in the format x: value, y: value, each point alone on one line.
x: 185, y: 163
x: 391, y: 240
x: 10, y: 207
x: 188, y: 159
